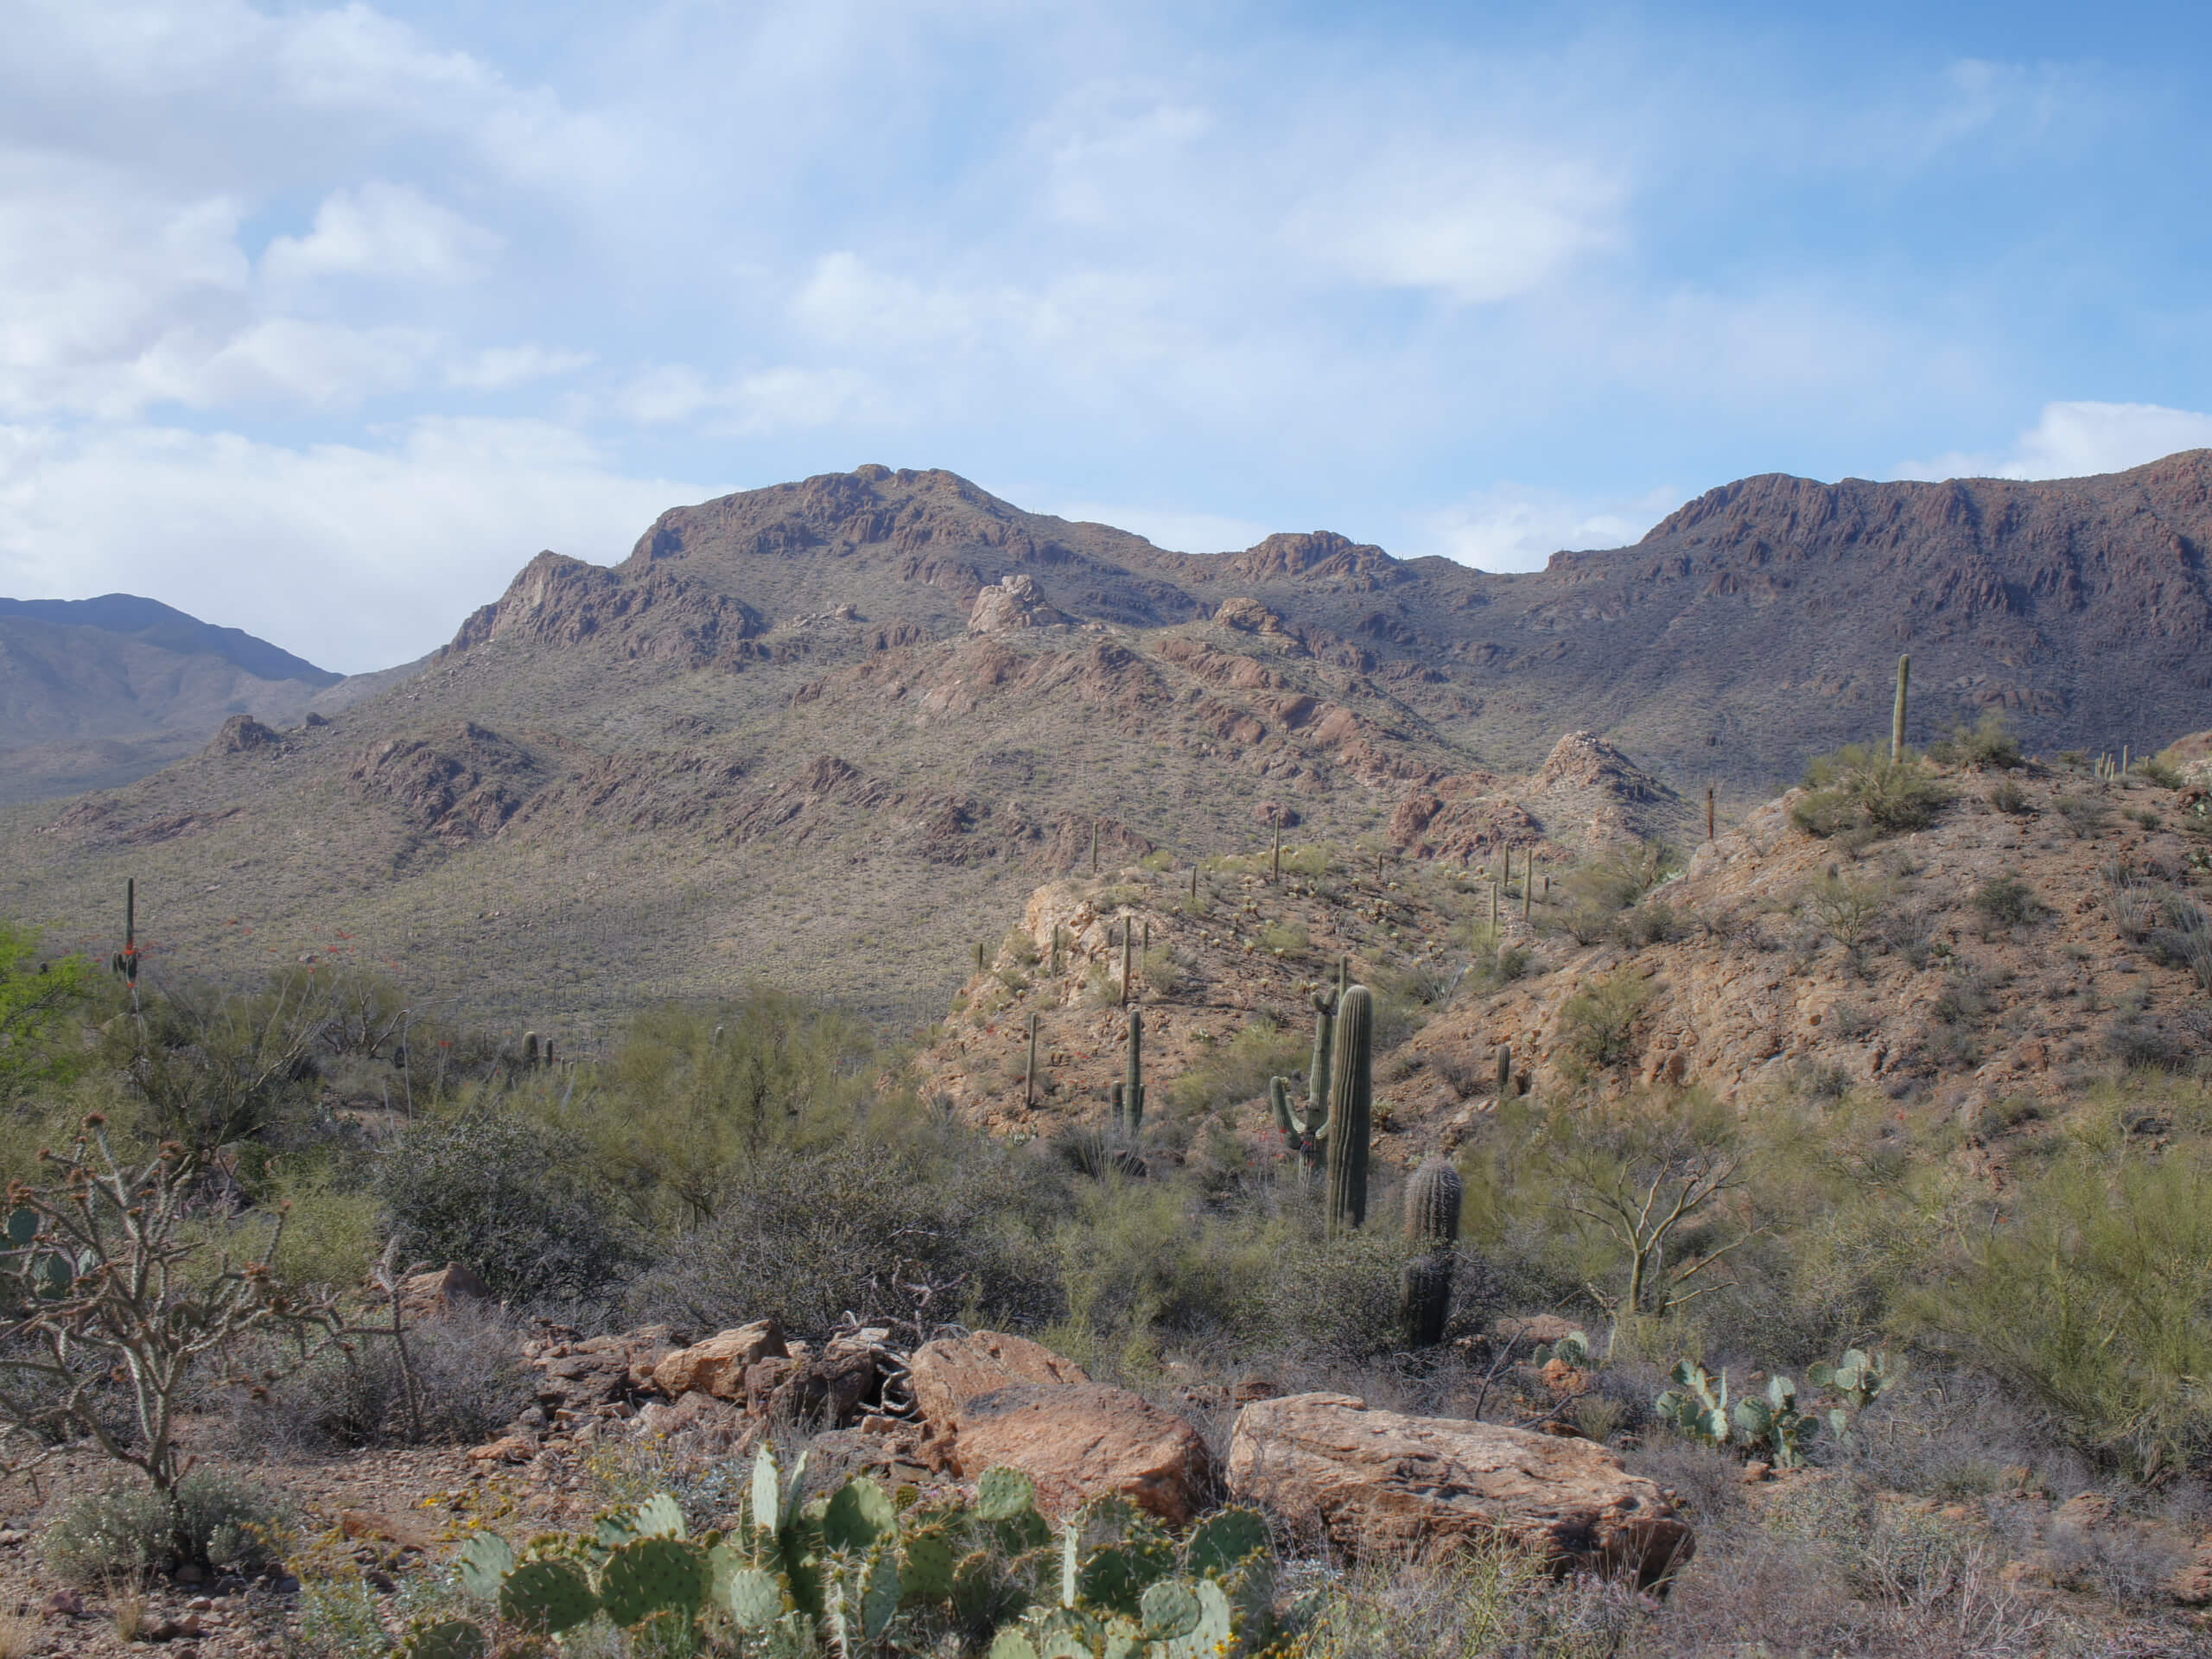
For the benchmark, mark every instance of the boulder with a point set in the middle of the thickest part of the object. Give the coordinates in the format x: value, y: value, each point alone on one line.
x: 954, y: 1370
x: 990, y: 1399
x: 452, y: 1287
x: 717, y: 1365
x: 696, y: 1423
x: 1016, y: 602
x: 1378, y: 1481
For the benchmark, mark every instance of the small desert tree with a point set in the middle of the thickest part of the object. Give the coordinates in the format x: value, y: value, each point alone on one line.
x: 36, y: 994
x: 1642, y: 1183
x: 104, y: 1291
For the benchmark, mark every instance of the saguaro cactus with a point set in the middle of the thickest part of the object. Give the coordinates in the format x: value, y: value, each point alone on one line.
x: 1129, y: 956
x: 1505, y: 1070
x: 1308, y: 1131
x: 1029, y: 1071
x: 1351, y: 1089
x: 1432, y: 1198
x: 1128, y: 1094
x: 1896, y: 714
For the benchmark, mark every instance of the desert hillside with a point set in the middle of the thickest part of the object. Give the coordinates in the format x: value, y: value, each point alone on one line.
x: 830, y: 734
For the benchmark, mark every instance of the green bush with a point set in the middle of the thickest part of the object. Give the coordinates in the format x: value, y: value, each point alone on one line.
x: 2007, y: 901
x: 1859, y: 786
x: 1598, y: 1021
x: 1989, y: 743
x: 918, y: 1231
x: 2093, y: 1298
x: 509, y: 1198
x: 126, y: 1532
x: 1593, y: 893
x: 1238, y: 1070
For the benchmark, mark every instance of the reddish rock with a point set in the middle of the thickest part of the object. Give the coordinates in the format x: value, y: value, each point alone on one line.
x: 990, y: 1399
x: 1381, y: 1482
x: 452, y: 1287
x: 717, y: 1366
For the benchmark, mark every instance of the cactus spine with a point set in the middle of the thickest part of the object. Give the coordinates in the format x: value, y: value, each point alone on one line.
x: 1351, y: 1087
x: 1897, y: 714
x: 1433, y: 1229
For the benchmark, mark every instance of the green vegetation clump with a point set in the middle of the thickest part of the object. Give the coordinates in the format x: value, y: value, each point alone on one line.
x: 127, y: 1532
x: 1990, y: 744
x: 1597, y: 1022
x: 1860, y: 787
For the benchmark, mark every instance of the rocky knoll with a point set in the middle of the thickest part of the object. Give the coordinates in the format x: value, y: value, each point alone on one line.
x: 2035, y: 932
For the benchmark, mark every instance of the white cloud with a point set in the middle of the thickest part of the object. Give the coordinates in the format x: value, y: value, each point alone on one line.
x: 356, y: 557
x: 2075, y: 440
x: 382, y: 230
x: 762, y: 403
x: 1476, y: 227
x: 499, y: 367
x: 1508, y: 528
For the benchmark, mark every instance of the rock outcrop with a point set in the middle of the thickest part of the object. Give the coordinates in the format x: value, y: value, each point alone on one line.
x: 1378, y: 1481
x: 1016, y: 602
x: 990, y: 1399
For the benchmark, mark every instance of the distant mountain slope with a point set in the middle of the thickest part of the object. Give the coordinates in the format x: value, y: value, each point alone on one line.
x: 153, y: 623
x: 834, y: 732
x: 96, y: 692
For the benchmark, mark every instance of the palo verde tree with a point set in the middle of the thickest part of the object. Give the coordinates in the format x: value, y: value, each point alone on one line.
x: 38, y: 994
x: 1641, y: 1182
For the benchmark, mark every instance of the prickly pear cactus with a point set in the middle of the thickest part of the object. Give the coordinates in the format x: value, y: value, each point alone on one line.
x: 653, y: 1575
x: 1698, y: 1403
x: 548, y: 1597
x: 449, y: 1639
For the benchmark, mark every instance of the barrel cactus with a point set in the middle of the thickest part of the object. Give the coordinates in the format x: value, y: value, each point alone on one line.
x: 1432, y: 1200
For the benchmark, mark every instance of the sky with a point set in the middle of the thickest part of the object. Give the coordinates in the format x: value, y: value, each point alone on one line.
x: 320, y: 320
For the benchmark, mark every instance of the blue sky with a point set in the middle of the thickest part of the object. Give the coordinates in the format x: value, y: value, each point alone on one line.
x: 319, y: 321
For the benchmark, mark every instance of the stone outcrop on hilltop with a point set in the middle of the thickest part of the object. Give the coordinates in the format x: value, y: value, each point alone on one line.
x: 1586, y: 795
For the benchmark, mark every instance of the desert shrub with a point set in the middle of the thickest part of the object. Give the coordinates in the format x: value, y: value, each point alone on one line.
x: 126, y: 1531
x: 2093, y: 1298
x: 1989, y: 743
x: 1239, y: 1069
x: 1486, y: 1603
x: 2007, y: 901
x: 2184, y: 938
x: 1161, y: 973
x: 1846, y: 908
x: 331, y: 1238
x: 2138, y: 1044
x: 1597, y: 1022
x: 510, y: 1198
x: 470, y: 1381
x: 2161, y: 772
x: 2010, y: 798
x: 39, y: 993
x: 1594, y: 893
x: 918, y: 1231
x: 1652, y: 922
x: 2085, y: 815
x: 1861, y: 787
x: 1286, y: 938
x: 1492, y: 963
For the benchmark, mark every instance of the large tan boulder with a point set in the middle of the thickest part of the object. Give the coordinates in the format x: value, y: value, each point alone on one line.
x: 990, y: 1399
x: 717, y: 1365
x: 1378, y: 1481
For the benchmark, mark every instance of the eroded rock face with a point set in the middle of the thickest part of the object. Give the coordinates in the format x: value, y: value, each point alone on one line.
x: 1381, y: 1481
x: 990, y: 1399
x: 1016, y: 602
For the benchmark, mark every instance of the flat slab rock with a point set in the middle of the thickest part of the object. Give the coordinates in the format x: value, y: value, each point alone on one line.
x: 1379, y: 1481
x: 990, y: 1399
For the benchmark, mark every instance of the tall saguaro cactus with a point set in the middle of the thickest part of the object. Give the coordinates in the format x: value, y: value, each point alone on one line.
x: 1896, y: 714
x: 1029, y: 1073
x: 1128, y: 1094
x: 1308, y: 1131
x: 1351, y: 1089
x: 1432, y: 1198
